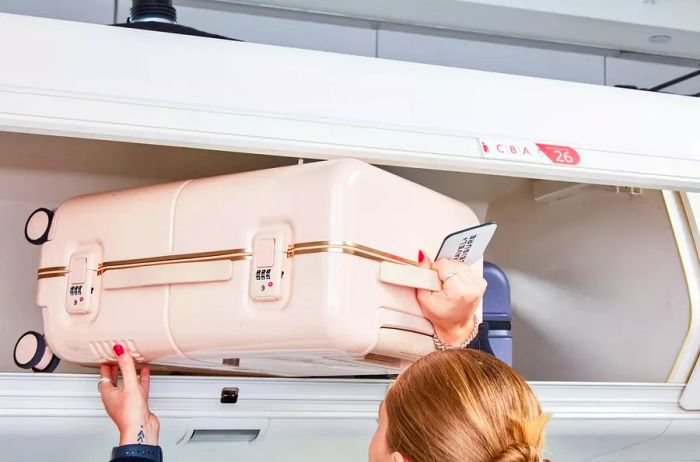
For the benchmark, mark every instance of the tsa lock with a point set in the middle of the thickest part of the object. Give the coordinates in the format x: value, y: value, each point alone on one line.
x: 267, y: 269
x: 80, y: 290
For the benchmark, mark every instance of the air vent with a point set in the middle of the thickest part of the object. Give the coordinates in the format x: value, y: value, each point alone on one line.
x: 224, y: 436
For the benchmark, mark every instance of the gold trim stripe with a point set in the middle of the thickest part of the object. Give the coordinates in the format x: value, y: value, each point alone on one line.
x: 347, y: 247
x: 42, y: 274
x: 53, y: 269
x: 303, y: 248
x: 233, y: 254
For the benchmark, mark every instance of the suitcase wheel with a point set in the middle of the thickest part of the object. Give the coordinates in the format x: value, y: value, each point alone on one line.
x: 36, y: 230
x: 32, y: 352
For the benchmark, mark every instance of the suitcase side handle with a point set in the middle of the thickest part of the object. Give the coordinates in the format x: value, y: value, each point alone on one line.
x: 168, y: 274
x: 409, y: 276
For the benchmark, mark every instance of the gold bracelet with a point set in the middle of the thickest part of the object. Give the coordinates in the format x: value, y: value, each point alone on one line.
x: 440, y: 345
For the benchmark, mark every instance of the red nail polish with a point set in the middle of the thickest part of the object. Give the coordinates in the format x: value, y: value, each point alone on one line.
x: 421, y: 256
x: 118, y: 349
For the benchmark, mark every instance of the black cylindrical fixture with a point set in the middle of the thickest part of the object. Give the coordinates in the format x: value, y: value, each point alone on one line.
x: 153, y: 10
x: 160, y: 16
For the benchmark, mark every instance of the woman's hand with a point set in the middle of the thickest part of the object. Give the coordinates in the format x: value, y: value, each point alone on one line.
x: 451, y: 310
x: 127, y: 404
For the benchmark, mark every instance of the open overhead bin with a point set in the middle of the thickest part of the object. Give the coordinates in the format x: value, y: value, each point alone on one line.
x: 602, y: 263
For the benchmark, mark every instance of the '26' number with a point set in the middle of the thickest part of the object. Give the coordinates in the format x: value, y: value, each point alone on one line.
x: 563, y: 157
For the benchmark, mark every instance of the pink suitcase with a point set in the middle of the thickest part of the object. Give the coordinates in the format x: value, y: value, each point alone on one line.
x: 303, y: 270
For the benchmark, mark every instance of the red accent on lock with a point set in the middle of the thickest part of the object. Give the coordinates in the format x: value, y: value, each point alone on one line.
x: 560, y: 154
x: 269, y: 284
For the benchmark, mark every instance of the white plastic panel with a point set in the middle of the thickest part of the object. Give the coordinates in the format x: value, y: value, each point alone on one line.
x: 307, y: 420
x: 483, y: 56
x: 313, y: 420
x: 350, y: 37
x: 95, y: 11
x: 679, y: 441
x: 326, y: 105
x: 592, y: 420
x: 602, y: 437
x: 291, y: 439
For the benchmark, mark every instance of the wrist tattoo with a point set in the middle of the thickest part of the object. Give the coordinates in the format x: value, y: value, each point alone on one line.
x: 140, y: 436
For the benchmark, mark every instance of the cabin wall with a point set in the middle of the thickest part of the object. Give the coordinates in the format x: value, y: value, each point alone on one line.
x: 597, y: 287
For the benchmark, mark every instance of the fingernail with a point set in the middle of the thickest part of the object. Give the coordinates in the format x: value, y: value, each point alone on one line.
x: 118, y: 349
x: 421, y: 256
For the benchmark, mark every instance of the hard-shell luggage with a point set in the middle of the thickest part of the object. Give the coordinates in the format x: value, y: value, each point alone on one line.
x: 302, y: 270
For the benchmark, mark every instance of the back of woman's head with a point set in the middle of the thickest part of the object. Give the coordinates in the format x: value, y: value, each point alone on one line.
x: 463, y: 406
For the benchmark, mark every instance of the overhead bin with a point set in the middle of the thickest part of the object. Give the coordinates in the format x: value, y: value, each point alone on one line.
x: 575, y: 264
x: 292, y: 102
x: 603, y: 277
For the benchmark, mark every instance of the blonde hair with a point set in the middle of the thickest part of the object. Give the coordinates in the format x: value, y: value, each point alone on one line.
x: 464, y: 405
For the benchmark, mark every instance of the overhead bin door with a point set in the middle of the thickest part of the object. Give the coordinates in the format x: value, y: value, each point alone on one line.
x: 305, y: 103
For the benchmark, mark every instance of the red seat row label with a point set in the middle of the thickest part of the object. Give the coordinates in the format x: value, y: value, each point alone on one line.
x: 524, y: 151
